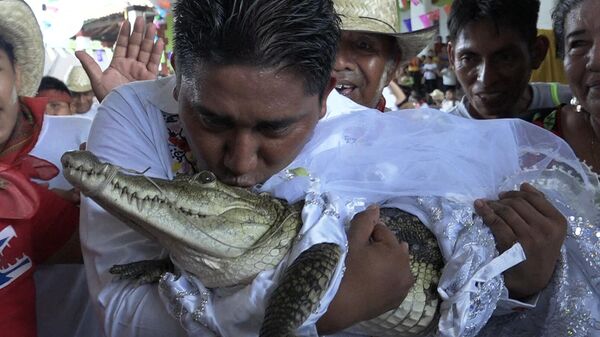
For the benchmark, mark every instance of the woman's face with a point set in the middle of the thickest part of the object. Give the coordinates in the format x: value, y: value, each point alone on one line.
x: 9, y: 101
x: 582, y: 54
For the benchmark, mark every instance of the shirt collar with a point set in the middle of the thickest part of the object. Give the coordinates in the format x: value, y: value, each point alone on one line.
x: 161, y: 95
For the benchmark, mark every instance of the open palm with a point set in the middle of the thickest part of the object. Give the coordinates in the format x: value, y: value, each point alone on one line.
x: 135, y: 58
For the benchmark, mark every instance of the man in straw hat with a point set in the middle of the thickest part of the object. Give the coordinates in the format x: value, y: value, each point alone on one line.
x: 82, y: 96
x: 372, y: 49
x: 34, y: 222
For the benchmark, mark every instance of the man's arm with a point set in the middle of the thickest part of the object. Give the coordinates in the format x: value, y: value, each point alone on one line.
x: 377, y: 277
x: 129, y: 134
x: 527, y: 217
x: 135, y: 58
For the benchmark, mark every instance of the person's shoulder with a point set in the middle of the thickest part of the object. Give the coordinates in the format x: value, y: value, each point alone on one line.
x: 145, y: 88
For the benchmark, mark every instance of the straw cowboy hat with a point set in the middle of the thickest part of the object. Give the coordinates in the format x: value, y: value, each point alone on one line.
x: 19, y: 27
x: 437, y: 95
x: 78, y: 80
x: 381, y: 16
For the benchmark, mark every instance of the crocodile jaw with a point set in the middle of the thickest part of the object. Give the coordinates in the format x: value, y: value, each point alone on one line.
x: 211, y: 219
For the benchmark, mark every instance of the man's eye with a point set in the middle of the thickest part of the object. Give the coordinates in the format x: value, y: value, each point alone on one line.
x: 465, y: 59
x: 274, y: 130
x: 363, y: 45
x: 578, y: 46
x: 212, y: 123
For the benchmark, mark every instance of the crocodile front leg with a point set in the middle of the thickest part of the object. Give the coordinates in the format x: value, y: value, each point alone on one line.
x: 147, y: 271
x: 300, y: 289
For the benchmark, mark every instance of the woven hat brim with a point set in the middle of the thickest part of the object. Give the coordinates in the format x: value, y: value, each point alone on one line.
x: 19, y: 27
x: 411, y: 43
x: 80, y: 87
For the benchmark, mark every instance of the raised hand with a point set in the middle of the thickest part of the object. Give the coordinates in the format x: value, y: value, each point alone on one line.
x: 528, y: 217
x: 135, y: 58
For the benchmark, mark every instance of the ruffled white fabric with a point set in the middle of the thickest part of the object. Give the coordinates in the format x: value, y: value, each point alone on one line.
x: 428, y: 163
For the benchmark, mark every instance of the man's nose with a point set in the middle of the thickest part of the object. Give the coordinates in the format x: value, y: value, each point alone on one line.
x: 241, y: 155
x: 593, y: 63
x: 343, y: 59
x: 487, y: 73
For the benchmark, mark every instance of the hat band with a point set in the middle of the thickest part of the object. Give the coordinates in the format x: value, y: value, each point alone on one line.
x: 380, y: 21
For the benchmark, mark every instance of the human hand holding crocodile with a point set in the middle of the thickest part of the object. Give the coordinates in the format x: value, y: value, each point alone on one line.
x: 528, y: 217
x: 377, y: 277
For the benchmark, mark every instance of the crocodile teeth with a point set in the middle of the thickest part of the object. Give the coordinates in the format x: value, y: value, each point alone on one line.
x: 139, y: 204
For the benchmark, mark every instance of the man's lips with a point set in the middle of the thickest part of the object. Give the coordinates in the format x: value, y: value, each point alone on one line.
x: 345, y: 89
x: 490, y: 96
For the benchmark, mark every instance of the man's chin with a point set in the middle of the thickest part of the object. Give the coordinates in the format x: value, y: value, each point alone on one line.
x: 490, y: 112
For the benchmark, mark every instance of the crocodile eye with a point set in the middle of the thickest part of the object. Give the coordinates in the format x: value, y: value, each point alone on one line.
x: 206, y: 177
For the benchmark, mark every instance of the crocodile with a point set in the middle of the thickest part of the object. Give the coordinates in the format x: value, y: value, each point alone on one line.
x: 226, y: 235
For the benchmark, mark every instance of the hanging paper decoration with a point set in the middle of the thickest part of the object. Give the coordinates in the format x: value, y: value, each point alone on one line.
x: 425, y: 20
x: 408, y: 24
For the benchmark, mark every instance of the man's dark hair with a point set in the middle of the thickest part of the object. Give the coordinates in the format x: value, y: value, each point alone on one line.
x: 292, y: 35
x: 562, y: 9
x: 519, y: 15
x: 51, y: 83
x: 8, y: 49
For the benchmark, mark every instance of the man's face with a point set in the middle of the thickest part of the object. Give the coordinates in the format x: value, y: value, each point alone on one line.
x: 493, y: 64
x: 81, y: 102
x: 245, y: 123
x: 9, y: 101
x: 57, y: 107
x: 364, y: 65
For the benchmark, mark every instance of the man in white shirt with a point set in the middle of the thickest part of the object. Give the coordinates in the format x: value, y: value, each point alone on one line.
x: 256, y: 108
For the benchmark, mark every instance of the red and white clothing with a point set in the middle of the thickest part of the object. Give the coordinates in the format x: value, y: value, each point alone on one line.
x: 34, y: 222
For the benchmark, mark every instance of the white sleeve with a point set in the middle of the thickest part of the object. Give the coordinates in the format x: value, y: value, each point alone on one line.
x: 127, y: 132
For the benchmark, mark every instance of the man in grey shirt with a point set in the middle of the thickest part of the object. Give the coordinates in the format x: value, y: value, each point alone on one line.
x: 493, y: 48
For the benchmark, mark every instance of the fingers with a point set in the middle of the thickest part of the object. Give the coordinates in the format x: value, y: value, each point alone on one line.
x: 384, y: 235
x: 504, y: 234
x: 135, y: 39
x: 362, y: 225
x: 155, y: 56
x: 535, y: 198
x: 90, y: 66
x: 147, y: 44
x: 122, y: 40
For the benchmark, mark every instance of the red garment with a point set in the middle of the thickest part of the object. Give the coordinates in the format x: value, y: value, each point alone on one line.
x: 34, y: 223
x: 381, y: 104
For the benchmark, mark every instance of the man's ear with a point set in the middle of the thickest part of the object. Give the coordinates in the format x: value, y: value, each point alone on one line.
x: 392, y: 73
x: 173, y: 61
x: 325, y: 95
x: 450, y: 48
x: 539, y: 51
